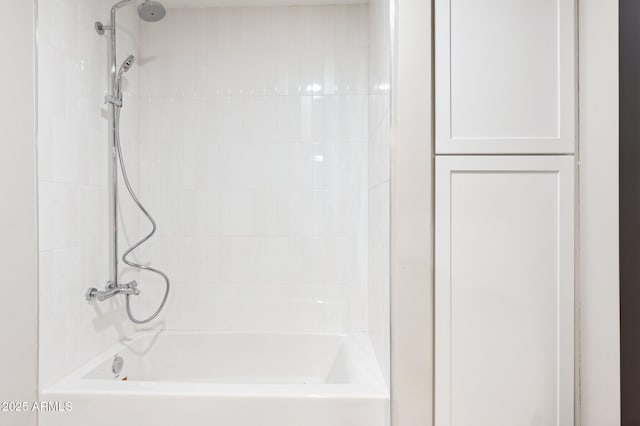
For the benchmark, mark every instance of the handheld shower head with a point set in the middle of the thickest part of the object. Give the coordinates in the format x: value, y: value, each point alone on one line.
x: 151, y: 11
x: 126, y: 65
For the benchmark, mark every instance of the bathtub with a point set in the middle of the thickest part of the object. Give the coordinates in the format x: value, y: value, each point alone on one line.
x: 226, y: 379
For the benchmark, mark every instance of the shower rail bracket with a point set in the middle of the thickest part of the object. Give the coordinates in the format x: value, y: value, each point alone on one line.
x: 101, y: 28
x: 113, y: 100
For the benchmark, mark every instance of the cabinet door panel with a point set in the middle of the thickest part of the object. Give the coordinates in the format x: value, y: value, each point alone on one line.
x: 505, y: 76
x: 504, y: 291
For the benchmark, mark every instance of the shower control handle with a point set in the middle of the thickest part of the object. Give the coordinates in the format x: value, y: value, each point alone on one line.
x: 111, y: 289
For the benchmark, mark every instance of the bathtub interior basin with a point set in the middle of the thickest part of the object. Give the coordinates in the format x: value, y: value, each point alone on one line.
x: 233, y: 363
x: 240, y: 358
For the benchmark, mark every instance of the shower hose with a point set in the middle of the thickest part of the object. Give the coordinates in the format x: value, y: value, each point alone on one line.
x: 125, y: 259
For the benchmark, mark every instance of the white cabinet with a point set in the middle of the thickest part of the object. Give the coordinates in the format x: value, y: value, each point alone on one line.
x: 505, y: 75
x: 505, y: 117
x: 504, y: 290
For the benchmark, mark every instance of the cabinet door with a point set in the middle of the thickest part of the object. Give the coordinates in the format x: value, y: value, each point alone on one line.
x: 504, y: 291
x: 505, y: 76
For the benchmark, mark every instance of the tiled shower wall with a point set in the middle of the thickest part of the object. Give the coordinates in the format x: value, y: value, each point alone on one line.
x: 73, y: 152
x: 253, y: 158
x: 379, y: 320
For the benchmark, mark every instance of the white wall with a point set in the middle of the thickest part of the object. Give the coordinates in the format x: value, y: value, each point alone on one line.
x: 254, y: 161
x: 73, y: 158
x: 379, y: 181
x: 411, y: 217
x: 18, y: 215
x: 599, y: 256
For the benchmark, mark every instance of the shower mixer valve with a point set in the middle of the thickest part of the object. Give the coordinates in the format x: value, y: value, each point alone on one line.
x: 111, y: 289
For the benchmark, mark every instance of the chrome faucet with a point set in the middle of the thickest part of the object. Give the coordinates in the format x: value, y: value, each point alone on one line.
x: 111, y: 289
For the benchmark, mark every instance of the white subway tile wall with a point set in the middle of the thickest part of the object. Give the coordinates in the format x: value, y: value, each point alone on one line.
x: 73, y: 148
x: 257, y: 137
x: 254, y: 159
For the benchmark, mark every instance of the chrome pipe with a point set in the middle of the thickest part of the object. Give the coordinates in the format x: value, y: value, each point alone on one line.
x: 113, y: 99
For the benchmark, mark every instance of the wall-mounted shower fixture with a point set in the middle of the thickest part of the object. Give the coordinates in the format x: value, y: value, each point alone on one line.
x: 150, y: 11
x: 111, y: 289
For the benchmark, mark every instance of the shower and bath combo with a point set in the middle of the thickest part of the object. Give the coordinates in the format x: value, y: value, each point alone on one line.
x: 150, y: 11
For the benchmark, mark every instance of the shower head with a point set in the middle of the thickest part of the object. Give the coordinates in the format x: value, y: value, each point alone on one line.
x: 126, y: 65
x: 151, y: 11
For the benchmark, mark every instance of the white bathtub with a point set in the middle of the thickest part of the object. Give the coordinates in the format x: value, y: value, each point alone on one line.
x: 227, y: 379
